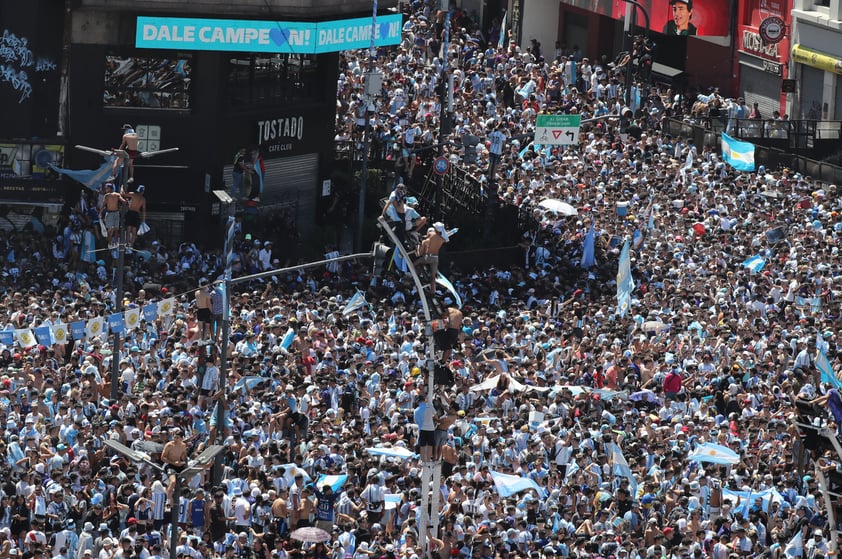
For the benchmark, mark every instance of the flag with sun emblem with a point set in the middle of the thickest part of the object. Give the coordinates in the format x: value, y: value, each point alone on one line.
x: 95, y: 327
x: 165, y: 307
x: 25, y: 338
x: 132, y: 318
x: 60, y: 333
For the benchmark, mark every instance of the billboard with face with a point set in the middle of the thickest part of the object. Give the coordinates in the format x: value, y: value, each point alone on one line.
x: 709, y: 18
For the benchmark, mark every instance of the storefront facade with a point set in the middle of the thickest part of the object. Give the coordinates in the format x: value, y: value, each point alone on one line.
x: 816, y: 60
x: 31, y: 137
x: 763, y: 53
x: 266, y: 81
x: 597, y: 27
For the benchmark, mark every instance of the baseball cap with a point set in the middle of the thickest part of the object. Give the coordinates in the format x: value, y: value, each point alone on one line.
x: 688, y: 2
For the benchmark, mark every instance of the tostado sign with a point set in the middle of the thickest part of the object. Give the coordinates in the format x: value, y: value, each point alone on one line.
x: 280, y: 134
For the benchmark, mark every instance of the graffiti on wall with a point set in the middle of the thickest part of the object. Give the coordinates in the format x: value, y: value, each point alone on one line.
x: 16, y: 63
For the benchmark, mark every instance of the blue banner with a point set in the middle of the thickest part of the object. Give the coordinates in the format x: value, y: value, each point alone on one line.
x: 44, y: 335
x: 115, y: 323
x: 150, y: 312
x: 294, y: 37
x: 7, y: 337
x: 77, y: 329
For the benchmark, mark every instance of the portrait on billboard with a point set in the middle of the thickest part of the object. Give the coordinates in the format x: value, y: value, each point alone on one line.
x: 680, y: 24
x: 704, y: 18
x: 157, y: 82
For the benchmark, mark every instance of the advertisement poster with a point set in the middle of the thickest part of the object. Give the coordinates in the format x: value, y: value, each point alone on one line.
x: 703, y: 18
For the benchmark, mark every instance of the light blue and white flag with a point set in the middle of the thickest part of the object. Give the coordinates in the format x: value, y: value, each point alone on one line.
x: 826, y: 371
x: 755, y: 264
x: 588, y: 259
x: 737, y: 154
x: 355, y: 303
x: 508, y: 485
x: 795, y: 547
x: 393, y: 452
x: 288, y: 338
x: 501, y: 43
x: 334, y: 481
x: 92, y: 179
x: 625, y: 283
x: 620, y: 467
x: 247, y: 383
x: 445, y: 283
x: 714, y: 453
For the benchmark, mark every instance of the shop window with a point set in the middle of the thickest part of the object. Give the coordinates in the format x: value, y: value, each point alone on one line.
x: 30, y: 161
x: 268, y: 79
x: 152, y: 82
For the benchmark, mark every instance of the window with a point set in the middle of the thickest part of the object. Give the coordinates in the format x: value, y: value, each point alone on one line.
x: 281, y: 78
x: 30, y: 161
x: 155, y: 82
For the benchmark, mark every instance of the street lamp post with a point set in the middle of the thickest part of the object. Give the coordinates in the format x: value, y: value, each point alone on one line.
x: 226, y: 322
x: 630, y: 41
x: 372, y: 84
x: 121, y: 252
x: 228, y: 202
x: 194, y: 466
x: 430, y: 471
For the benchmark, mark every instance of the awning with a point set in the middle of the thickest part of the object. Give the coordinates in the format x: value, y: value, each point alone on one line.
x: 816, y: 59
x: 666, y: 71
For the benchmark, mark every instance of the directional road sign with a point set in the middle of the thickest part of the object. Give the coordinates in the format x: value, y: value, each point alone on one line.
x: 557, y: 130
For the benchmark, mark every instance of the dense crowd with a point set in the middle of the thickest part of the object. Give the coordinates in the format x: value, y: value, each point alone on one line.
x: 551, y: 382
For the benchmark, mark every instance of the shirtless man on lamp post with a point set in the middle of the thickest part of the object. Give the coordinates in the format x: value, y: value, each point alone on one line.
x: 428, y: 251
x: 129, y: 144
x: 174, y: 455
x: 136, y: 213
x: 110, y: 214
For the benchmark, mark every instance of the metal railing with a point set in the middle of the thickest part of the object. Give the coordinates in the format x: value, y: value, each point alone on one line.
x: 772, y: 157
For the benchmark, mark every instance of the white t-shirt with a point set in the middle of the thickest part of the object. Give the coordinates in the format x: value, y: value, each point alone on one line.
x: 242, y: 512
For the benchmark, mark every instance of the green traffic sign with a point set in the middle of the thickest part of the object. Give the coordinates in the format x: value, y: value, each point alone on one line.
x: 558, y: 121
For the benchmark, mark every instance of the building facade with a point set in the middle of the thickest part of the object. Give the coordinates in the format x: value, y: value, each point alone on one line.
x: 119, y: 62
x: 763, y: 53
x: 816, y: 61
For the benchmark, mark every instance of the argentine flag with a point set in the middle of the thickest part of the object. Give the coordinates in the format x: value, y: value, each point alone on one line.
x: 714, y: 453
x: 621, y: 468
x: 795, y: 547
x: 737, y: 154
x: 755, y: 263
x: 355, y: 303
x: 826, y: 370
x: 625, y: 283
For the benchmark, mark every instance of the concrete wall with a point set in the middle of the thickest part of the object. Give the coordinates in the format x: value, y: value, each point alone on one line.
x: 540, y: 21
x: 305, y: 9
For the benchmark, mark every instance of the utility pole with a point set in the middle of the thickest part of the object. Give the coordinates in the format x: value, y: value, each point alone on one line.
x: 221, y: 403
x: 372, y: 87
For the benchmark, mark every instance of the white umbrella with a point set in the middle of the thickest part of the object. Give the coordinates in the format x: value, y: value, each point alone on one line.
x: 558, y: 207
